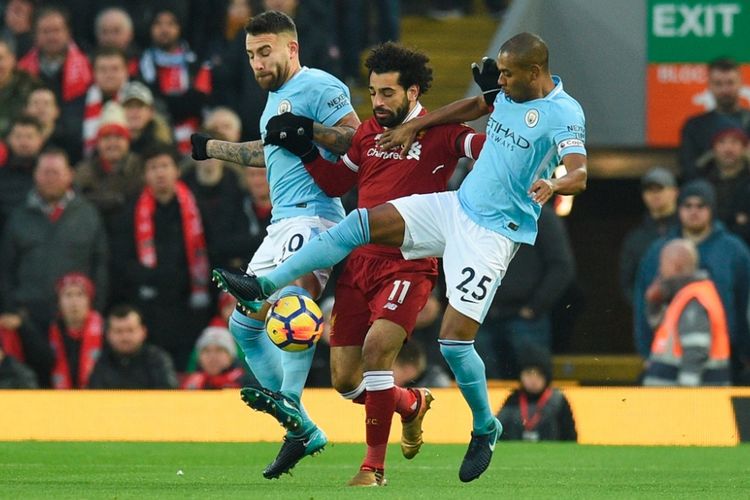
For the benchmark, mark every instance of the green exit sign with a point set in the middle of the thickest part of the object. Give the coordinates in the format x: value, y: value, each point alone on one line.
x: 698, y: 31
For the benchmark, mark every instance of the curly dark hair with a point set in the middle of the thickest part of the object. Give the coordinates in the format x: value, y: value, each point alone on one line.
x: 410, y: 64
x: 270, y: 21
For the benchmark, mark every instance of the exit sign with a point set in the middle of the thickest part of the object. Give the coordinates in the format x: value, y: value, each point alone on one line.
x: 695, y: 30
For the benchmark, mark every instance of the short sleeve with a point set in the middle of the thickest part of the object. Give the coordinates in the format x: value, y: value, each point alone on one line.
x: 569, y: 131
x: 333, y: 102
x: 353, y: 156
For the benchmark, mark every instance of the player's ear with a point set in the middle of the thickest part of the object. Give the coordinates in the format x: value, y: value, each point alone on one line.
x: 412, y: 93
x: 293, y: 47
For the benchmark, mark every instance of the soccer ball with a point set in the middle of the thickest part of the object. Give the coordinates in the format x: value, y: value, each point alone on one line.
x: 294, y: 323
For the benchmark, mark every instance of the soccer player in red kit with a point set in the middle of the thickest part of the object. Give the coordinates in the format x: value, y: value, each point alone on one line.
x: 379, y: 293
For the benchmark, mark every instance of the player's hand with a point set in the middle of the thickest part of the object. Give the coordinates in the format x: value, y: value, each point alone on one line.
x: 487, y: 77
x: 542, y: 190
x: 294, y: 140
x: 399, y: 137
x: 200, y: 144
x: 291, y: 121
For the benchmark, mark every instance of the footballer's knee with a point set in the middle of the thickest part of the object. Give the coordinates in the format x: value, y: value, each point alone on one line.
x: 344, y: 382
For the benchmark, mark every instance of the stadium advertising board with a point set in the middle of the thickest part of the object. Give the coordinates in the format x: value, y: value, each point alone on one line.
x: 682, y: 37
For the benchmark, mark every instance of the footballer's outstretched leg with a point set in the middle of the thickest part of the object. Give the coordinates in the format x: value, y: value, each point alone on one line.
x: 293, y: 450
x: 248, y: 289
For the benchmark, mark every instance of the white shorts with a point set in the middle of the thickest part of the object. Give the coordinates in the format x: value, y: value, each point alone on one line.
x: 283, y: 239
x: 475, y: 258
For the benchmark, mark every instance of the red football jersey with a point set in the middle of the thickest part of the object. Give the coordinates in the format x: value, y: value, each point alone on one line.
x: 382, y: 176
x: 387, y: 175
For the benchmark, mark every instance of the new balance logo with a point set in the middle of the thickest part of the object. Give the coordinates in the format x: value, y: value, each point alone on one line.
x: 414, y: 151
x: 390, y: 306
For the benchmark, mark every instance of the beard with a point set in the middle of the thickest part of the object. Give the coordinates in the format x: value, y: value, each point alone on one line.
x: 393, y: 118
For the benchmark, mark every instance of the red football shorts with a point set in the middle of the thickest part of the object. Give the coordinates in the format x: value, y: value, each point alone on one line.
x: 371, y: 288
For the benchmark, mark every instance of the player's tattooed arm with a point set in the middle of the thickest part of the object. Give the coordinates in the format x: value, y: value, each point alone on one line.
x: 338, y: 138
x: 249, y: 154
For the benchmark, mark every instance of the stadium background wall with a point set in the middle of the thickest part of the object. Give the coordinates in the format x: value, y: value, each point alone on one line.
x: 611, y: 416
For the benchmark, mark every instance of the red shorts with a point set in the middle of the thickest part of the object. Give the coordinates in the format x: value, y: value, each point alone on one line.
x: 373, y: 287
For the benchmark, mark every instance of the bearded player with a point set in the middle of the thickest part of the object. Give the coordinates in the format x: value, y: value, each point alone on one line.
x: 379, y: 293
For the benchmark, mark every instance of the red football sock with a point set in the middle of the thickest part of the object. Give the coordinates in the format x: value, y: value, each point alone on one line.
x: 360, y: 400
x: 406, y: 402
x: 379, y: 409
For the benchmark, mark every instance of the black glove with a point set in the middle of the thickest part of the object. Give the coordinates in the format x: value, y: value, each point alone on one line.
x: 199, y: 143
x: 293, y: 140
x: 487, y: 77
x: 291, y: 121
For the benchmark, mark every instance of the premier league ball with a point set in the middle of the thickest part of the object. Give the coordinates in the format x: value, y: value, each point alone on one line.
x: 294, y: 323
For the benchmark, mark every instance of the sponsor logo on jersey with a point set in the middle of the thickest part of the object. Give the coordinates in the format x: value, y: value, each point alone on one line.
x: 569, y: 143
x: 338, y: 102
x: 414, y: 151
x: 531, y: 118
x: 285, y: 106
x: 505, y: 136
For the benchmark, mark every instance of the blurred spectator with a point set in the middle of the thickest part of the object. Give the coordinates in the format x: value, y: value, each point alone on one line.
x: 216, y: 188
x: 536, y: 411
x: 520, y: 312
x: 161, y: 259
x: 234, y: 86
x: 76, y: 335
x: 21, y: 340
x: 18, y: 18
x: 114, y: 175
x: 110, y: 76
x: 14, y: 374
x: 316, y: 29
x: 257, y: 206
x: 728, y: 170
x: 217, y: 362
x: 60, y: 64
x: 224, y: 124
x: 174, y: 73
x: 55, y: 232
x: 17, y: 160
x: 114, y: 29
x: 127, y: 361
x: 724, y: 84
x: 723, y: 255
x: 410, y: 368
x: 355, y: 32
x: 659, y: 195
x: 691, y: 343
x: 147, y: 128
x: 15, y: 87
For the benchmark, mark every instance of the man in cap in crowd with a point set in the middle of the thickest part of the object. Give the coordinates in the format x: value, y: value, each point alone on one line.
x: 217, y: 362
x: 147, y: 127
x: 659, y: 195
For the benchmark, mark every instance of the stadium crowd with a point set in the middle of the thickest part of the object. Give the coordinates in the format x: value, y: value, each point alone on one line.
x: 109, y: 229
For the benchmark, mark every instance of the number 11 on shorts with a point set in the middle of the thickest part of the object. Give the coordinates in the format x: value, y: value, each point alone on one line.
x: 399, y: 284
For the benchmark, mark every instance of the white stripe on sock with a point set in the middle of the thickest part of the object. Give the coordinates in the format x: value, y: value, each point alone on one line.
x: 379, y: 380
x: 355, y: 393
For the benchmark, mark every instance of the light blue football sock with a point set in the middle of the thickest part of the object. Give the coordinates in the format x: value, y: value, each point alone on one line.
x: 325, y: 250
x: 296, y: 366
x: 471, y: 379
x: 261, y: 355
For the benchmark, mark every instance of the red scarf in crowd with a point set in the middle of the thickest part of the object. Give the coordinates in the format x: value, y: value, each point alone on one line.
x: 231, y: 379
x: 10, y: 341
x: 92, y: 114
x: 192, y: 232
x: 76, y: 70
x: 90, y: 339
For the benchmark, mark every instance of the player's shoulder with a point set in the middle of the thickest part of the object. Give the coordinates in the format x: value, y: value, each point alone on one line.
x: 319, y: 76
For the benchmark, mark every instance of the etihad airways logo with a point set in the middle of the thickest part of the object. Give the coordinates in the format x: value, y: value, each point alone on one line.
x: 506, y: 136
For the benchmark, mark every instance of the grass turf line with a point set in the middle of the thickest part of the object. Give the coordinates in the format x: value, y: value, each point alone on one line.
x: 233, y: 470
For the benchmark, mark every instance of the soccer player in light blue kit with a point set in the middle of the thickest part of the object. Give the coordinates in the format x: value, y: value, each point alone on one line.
x: 300, y: 211
x: 534, y: 124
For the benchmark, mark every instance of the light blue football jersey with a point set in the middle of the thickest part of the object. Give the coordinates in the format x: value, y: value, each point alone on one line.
x: 318, y: 95
x: 525, y: 142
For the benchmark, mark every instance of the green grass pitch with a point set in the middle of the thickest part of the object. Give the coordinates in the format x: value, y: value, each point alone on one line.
x: 223, y: 470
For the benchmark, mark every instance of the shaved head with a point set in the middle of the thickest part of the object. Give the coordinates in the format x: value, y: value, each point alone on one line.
x: 526, y: 49
x: 678, y: 257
